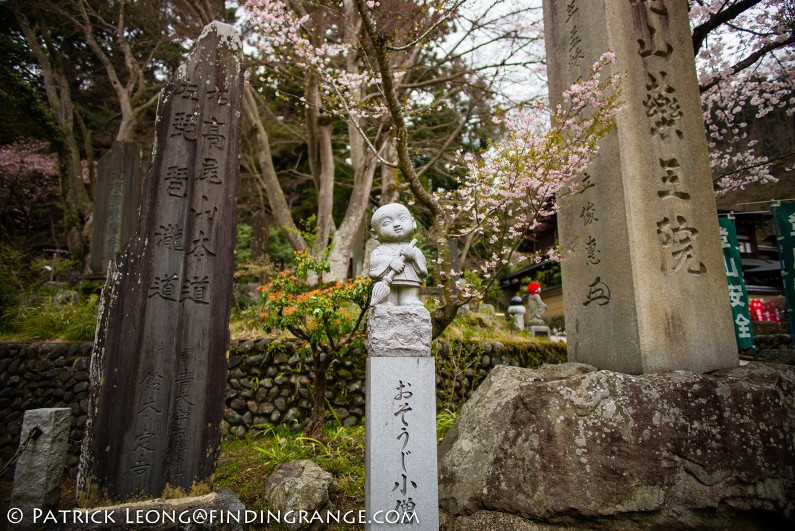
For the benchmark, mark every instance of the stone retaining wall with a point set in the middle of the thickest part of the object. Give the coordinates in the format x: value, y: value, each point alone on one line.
x: 268, y: 382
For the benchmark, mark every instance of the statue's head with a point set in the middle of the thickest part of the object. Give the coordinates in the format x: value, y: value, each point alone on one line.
x: 392, y: 223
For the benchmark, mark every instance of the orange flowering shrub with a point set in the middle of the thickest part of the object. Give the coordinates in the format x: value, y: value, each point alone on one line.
x: 329, y: 319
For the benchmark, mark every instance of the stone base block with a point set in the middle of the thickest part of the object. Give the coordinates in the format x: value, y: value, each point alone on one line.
x: 540, y: 331
x: 399, y: 331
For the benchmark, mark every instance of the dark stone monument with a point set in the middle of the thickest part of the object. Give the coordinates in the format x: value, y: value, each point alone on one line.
x: 116, y: 202
x: 158, y: 368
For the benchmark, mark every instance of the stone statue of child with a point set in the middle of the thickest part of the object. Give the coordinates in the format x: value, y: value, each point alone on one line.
x: 536, y: 306
x: 393, y: 226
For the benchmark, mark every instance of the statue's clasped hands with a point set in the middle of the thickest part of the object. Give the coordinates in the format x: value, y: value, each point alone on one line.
x: 408, y: 253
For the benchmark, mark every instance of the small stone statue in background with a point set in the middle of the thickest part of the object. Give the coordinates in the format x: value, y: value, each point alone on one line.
x: 536, y: 309
x: 517, y: 310
x: 396, y: 265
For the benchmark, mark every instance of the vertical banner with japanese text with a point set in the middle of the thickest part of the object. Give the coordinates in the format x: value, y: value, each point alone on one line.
x: 738, y: 294
x: 785, y: 220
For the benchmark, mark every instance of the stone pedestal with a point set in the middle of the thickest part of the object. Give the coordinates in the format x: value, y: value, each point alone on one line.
x: 400, y: 449
x: 540, y: 331
x: 40, y: 467
x: 644, y: 285
x: 399, y: 331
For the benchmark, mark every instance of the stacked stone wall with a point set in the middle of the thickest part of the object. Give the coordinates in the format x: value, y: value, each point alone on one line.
x: 268, y: 382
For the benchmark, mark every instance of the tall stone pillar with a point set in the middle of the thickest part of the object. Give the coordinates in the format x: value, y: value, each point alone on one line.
x: 116, y: 201
x: 158, y: 367
x: 643, y: 282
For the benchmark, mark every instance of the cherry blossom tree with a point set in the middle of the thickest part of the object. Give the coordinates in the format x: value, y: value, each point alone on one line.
x: 98, y: 65
x: 745, y: 55
x: 506, y: 193
x: 316, y: 57
x: 28, y: 192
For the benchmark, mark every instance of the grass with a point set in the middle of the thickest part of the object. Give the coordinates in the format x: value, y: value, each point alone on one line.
x: 53, y: 319
x: 245, y: 464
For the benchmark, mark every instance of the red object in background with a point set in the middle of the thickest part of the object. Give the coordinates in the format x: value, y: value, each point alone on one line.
x: 756, y: 307
x: 533, y: 287
x: 764, y: 311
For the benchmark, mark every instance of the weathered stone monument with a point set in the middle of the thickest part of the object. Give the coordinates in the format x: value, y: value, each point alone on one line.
x: 39, y: 470
x: 400, y: 449
x: 116, y: 201
x: 158, y: 367
x: 643, y: 284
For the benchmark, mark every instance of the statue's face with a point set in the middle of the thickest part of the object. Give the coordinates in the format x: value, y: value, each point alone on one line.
x: 393, y: 223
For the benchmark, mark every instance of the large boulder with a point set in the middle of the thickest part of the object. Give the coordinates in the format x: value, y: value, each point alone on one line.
x: 570, y: 445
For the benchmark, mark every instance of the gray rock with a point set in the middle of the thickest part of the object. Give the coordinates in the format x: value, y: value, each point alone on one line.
x: 280, y: 404
x: 663, y: 450
x: 299, y: 486
x: 233, y: 418
x: 254, y: 361
x: 39, y: 469
x: 292, y: 414
x: 266, y: 408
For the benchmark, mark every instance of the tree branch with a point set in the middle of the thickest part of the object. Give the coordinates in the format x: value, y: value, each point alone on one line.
x: 701, y: 31
x: 748, y: 61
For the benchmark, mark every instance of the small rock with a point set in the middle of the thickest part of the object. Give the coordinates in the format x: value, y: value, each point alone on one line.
x: 280, y: 404
x: 292, y: 414
x: 299, y: 486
